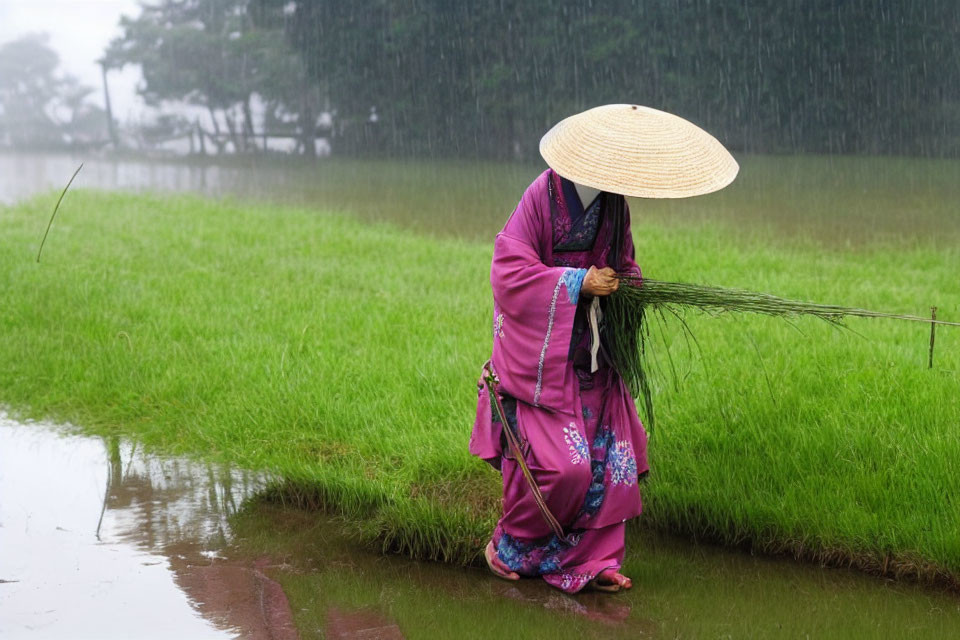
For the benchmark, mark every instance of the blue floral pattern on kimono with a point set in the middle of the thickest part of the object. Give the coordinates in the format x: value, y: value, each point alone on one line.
x: 598, y: 466
x: 531, y: 558
x: 622, y: 463
x: 541, y: 557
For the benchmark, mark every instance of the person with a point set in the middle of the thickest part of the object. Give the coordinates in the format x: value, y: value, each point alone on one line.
x: 581, y: 446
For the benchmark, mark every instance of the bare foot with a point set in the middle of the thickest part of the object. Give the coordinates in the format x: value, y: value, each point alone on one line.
x: 496, y: 565
x: 613, y: 578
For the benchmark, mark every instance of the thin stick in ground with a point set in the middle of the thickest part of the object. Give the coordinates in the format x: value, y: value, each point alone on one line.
x: 933, y: 332
x: 57, y: 208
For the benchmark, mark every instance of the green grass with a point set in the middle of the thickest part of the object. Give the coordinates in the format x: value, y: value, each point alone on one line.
x: 343, y: 356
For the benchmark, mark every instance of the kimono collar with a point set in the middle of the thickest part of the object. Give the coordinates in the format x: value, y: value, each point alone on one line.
x: 571, y: 196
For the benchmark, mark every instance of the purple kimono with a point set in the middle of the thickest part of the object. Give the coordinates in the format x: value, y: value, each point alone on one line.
x: 582, y: 437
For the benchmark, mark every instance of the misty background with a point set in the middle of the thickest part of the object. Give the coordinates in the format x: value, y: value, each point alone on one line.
x: 437, y: 79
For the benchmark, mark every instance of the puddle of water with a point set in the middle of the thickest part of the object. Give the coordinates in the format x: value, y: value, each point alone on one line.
x: 682, y: 590
x: 99, y: 540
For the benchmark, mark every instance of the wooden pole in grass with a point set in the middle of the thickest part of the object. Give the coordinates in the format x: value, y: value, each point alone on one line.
x: 933, y: 333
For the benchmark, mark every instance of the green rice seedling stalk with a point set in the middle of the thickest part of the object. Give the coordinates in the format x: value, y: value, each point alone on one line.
x: 628, y: 333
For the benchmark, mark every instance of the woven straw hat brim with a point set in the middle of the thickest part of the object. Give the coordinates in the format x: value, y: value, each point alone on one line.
x: 638, y: 151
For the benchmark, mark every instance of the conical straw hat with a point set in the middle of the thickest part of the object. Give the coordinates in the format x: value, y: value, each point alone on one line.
x: 638, y: 151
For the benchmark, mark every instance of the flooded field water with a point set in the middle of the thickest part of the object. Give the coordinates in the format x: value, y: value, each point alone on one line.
x: 836, y: 201
x: 101, y: 540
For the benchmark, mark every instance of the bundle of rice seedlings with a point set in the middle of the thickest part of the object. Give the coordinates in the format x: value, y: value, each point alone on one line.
x: 627, y: 316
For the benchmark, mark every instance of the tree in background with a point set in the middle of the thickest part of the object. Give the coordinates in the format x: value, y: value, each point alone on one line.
x: 41, y: 107
x: 208, y: 53
x: 486, y: 79
x: 465, y: 79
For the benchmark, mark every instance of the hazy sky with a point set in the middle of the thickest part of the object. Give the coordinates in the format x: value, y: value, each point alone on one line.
x: 79, y: 31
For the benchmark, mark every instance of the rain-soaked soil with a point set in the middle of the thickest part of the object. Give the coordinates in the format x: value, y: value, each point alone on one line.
x: 100, y: 540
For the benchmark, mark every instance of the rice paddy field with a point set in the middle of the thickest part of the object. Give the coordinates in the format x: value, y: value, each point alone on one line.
x: 337, y: 345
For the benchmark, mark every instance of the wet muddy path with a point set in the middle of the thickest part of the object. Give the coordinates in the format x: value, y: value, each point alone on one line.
x: 100, y: 540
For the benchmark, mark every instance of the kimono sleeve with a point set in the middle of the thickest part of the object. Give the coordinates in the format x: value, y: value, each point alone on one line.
x: 534, y: 307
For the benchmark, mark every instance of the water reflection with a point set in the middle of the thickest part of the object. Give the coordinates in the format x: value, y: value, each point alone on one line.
x: 681, y: 589
x: 114, y: 543
x: 110, y: 543
x: 25, y: 174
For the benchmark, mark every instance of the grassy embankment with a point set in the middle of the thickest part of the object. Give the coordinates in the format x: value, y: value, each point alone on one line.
x: 343, y: 356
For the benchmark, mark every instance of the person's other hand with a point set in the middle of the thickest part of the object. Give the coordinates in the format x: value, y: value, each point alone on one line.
x: 600, y: 282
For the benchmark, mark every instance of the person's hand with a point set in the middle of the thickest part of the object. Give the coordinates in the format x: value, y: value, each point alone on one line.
x: 600, y: 282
